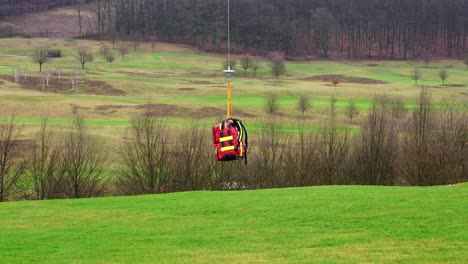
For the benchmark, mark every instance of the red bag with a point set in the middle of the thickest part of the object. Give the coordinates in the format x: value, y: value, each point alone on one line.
x: 230, y: 140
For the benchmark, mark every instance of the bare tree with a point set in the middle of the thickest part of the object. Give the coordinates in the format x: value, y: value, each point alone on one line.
x: 47, y: 75
x: 255, y: 67
x: 110, y: 57
x: 466, y: 62
x: 232, y: 63
x: 79, y: 20
x: 74, y: 78
x: 427, y: 58
x: 324, y: 25
x: 191, y: 171
x: 84, y: 56
x: 123, y: 50
x: 277, y: 66
x: 246, y: 62
x: 335, y: 83
x: 43, y: 82
x: 145, y: 157
x: 272, y: 104
x: 303, y: 104
x: 416, y: 75
x: 377, y: 150
x: 40, y: 56
x: 17, y: 75
x: 13, y: 164
x: 352, y: 110
x: 443, y: 75
x: 82, y: 164
x: 398, y: 107
x: 58, y: 70
x: 333, y: 149
x: 45, y: 162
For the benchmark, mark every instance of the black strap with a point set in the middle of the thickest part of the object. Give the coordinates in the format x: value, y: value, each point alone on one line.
x: 239, y: 123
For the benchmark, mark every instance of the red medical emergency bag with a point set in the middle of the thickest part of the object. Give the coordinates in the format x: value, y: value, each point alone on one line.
x: 230, y: 140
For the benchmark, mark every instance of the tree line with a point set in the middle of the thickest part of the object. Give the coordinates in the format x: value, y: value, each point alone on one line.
x: 21, y: 7
x: 427, y: 145
x: 356, y: 28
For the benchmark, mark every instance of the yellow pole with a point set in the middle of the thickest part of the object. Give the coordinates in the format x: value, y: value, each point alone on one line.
x: 229, y: 104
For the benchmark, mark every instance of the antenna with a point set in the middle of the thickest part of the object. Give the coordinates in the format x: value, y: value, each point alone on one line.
x: 229, y: 71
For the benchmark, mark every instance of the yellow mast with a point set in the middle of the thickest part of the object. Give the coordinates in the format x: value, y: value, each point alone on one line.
x: 229, y: 71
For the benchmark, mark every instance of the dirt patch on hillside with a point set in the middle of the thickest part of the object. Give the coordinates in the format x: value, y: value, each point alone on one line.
x: 64, y: 86
x: 148, y: 75
x: 110, y: 107
x: 200, y: 82
x: 342, y: 79
x: 372, y: 65
x: 211, y: 112
x: 161, y: 110
x: 187, y: 89
x: 2, y: 82
x: 168, y: 110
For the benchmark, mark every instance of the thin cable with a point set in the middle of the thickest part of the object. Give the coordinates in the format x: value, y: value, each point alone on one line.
x: 229, y: 38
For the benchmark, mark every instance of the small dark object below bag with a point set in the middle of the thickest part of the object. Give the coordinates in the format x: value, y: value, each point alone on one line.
x: 230, y: 140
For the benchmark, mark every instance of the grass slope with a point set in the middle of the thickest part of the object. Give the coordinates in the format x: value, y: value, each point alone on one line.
x: 319, y: 224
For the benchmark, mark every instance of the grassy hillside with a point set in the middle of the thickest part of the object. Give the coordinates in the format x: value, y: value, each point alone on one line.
x: 186, y: 84
x: 319, y: 224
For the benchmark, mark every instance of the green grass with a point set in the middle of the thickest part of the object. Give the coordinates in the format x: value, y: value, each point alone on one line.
x: 179, y: 75
x: 337, y: 224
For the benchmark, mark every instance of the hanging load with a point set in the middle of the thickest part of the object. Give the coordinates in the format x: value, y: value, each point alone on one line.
x: 230, y: 140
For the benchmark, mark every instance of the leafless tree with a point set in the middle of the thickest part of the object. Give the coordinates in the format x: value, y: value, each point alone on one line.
x: 145, y: 158
x: 191, y: 169
x: 110, y: 57
x: 266, y: 169
x: 443, y: 75
x: 272, y: 104
x: 79, y: 20
x: 246, y: 62
x: 83, y: 163
x: 74, y: 78
x: 335, y: 83
x: 376, y: 151
x: 47, y: 75
x: 43, y: 82
x: 427, y: 58
x: 352, y: 110
x: 40, y: 56
x: 232, y: 63
x: 13, y: 163
x: 301, y: 160
x: 303, y: 104
x: 416, y: 75
x: 398, y: 107
x: 333, y: 149
x: 255, y: 67
x: 123, y: 50
x: 277, y: 66
x: 153, y: 43
x: 84, y: 55
x: 45, y: 162
x: 17, y: 75
x: 58, y: 70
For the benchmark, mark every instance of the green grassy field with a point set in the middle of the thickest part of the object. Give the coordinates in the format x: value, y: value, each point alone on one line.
x: 308, y: 225
x: 193, y: 82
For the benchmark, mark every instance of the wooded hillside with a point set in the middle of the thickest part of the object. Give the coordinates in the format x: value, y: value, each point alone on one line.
x: 397, y: 28
x: 21, y: 7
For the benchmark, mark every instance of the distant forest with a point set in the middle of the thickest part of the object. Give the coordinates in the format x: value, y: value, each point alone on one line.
x: 21, y: 7
x: 354, y: 28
